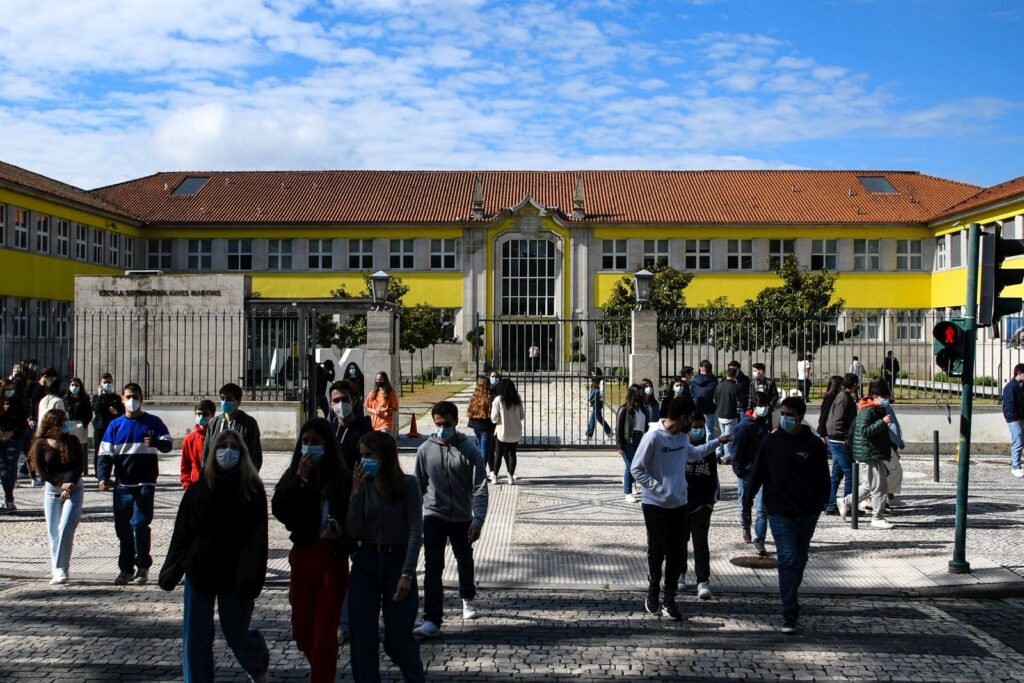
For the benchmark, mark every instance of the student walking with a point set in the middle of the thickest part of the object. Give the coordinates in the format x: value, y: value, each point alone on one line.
x: 805, y: 375
x: 453, y: 484
x: 106, y: 407
x: 510, y: 422
x: 842, y: 415
x: 650, y: 401
x: 355, y: 375
x: 702, y: 492
x: 237, y: 420
x: 630, y: 427
x: 79, y: 409
x: 704, y: 386
x: 193, y: 445
x: 760, y: 383
x: 219, y: 545
x: 660, y: 468
x: 1013, y: 413
x: 890, y: 369
x: 871, y: 450
x: 792, y: 467
x: 678, y: 387
x: 382, y: 405
x: 386, y: 517
x: 747, y: 440
x: 47, y: 397
x: 727, y: 398
x: 13, y: 425
x: 857, y: 368
x: 311, y: 500
x: 835, y: 385
x: 479, y: 413
x: 348, y: 426
x: 894, y: 480
x: 595, y: 398
x: 128, y: 465
x: 59, y: 460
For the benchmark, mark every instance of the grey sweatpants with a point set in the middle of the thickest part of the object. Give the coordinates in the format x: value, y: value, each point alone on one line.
x: 873, y: 483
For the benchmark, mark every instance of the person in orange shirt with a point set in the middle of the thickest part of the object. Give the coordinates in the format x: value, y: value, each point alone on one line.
x: 192, y: 446
x: 382, y: 405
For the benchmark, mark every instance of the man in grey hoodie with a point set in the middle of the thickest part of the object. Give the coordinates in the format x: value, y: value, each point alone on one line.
x: 453, y: 481
x: 659, y: 466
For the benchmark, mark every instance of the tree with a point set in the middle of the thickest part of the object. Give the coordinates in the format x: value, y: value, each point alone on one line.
x: 351, y: 331
x: 422, y: 326
x: 667, y: 298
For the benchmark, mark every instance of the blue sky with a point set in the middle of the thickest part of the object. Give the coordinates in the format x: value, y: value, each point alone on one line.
x: 93, y: 91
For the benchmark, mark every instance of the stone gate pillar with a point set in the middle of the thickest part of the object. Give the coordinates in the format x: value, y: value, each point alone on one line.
x: 382, y: 329
x: 643, y: 357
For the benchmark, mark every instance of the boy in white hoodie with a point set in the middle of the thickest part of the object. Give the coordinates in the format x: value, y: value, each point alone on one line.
x: 659, y: 466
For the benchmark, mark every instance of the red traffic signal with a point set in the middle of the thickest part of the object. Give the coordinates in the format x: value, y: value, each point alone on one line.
x: 947, y: 333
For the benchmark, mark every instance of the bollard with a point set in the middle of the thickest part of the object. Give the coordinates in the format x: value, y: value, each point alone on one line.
x: 855, y: 497
x: 935, y: 455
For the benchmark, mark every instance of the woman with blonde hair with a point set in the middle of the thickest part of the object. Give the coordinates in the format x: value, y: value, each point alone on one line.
x: 59, y: 460
x: 220, y: 546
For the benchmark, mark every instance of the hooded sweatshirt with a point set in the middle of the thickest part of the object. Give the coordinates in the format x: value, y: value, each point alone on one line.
x: 660, y: 465
x: 704, y: 392
x: 453, y: 480
x: 793, y: 468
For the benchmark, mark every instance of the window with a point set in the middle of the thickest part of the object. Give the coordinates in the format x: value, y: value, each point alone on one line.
x: 81, y: 242
x: 908, y: 255
x: 20, y: 228
x: 527, y: 280
x: 200, y: 255
x: 940, y: 253
x: 867, y: 255
x: 955, y: 249
x: 61, y: 319
x: 823, y: 254
x: 20, y: 318
x: 189, y: 186
x: 239, y: 254
x: 698, y: 254
x: 129, y: 252
x: 360, y: 254
x: 321, y: 254
x: 876, y: 184
x: 613, y: 254
x: 114, y: 249
x: 97, y: 246
x: 740, y: 254
x: 778, y: 250
x: 442, y: 254
x: 42, y: 319
x: 873, y: 328
x: 402, y: 256
x: 42, y: 234
x: 63, y: 237
x: 910, y: 326
x: 279, y: 254
x: 3, y: 224
x: 159, y: 254
x: 655, y: 252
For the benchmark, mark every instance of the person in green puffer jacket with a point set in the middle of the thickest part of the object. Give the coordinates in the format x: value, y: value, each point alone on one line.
x: 871, y: 449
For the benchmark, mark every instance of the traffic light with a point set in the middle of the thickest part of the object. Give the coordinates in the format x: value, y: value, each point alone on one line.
x: 995, y: 277
x: 950, y: 345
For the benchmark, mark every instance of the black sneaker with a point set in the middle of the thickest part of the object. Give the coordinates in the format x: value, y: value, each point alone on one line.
x: 669, y: 609
x: 759, y: 547
x: 792, y: 627
x: 651, y: 602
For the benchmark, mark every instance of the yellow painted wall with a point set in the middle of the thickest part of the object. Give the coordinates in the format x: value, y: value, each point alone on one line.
x: 985, y: 216
x: 43, y: 277
x: 441, y: 290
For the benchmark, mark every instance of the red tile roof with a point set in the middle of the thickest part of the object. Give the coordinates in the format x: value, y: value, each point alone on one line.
x: 674, y: 197
x: 1011, y: 189
x: 20, y: 177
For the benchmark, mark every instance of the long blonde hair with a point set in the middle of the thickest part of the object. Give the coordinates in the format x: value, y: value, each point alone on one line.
x: 250, y: 479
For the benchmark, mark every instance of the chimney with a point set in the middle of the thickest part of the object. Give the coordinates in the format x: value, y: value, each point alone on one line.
x: 478, y: 199
x: 577, y: 200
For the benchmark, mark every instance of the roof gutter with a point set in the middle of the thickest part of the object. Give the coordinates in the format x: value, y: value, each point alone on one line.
x: 983, y: 207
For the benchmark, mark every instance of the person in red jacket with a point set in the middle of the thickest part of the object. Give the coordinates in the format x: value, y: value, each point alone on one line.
x: 192, y: 446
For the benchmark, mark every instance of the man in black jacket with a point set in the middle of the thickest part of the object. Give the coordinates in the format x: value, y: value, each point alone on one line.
x: 232, y: 417
x: 792, y: 465
x: 726, y: 401
x: 106, y: 407
x: 760, y: 383
x: 348, y: 426
x: 742, y: 386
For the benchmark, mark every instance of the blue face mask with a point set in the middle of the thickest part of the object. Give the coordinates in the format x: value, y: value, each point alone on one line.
x: 677, y: 389
x: 370, y: 466
x: 696, y: 434
x: 202, y: 420
x: 75, y: 389
x: 228, y: 406
x: 884, y: 402
x: 445, y: 433
x: 67, y: 427
x: 493, y: 380
x: 787, y: 422
x: 315, y: 451
x: 9, y: 393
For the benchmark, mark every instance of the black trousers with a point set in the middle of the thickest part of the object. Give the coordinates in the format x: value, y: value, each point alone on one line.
x: 698, y: 523
x: 666, y: 545
x: 506, y: 451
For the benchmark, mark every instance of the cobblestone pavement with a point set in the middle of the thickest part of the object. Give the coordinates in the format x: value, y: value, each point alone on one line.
x: 91, y: 632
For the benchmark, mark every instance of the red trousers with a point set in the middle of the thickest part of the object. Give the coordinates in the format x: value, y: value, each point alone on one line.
x: 316, y: 592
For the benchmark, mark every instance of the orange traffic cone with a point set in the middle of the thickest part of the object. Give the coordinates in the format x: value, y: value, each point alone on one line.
x: 413, y: 433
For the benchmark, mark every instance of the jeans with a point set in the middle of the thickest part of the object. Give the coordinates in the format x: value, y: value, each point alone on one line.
x: 666, y: 543
x: 726, y: 426
x: 698, y: 522
x: 711, y: 426
x: 133, y: 513
x: 842, y: 470
x: 1016, y: 443
x: 10, y: 451
x: 597, y: 418
x: 437, y: 533
x: 805, y: 387
x: 627, y: 457
x: 373, y: 583
x: 197, y: 641
x: 761, y: 521
x: 484, y: 441
x: 62, y: 517
x: 792, y: 541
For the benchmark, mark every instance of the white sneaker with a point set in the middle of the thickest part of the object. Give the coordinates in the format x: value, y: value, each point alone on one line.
x: 703, y: 590
x: 492, y: 477
x: 879, y: 523
x: 511, y: 480
x: 842, y: 507
x: 59, y: 577
x: 468, y: 610
x: 630, y: 498
x: 427, y: 629
x: 141, y: 577
x: 1018, y: 473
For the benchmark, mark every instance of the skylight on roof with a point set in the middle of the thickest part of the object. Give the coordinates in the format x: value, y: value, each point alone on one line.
x: 876, y: 184
x: 189, y: 186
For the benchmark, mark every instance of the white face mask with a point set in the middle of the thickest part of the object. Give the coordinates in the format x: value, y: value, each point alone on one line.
x: 132, y: 405
x: 761, y: 411
x: 227, y: 458
x: 343, y: 409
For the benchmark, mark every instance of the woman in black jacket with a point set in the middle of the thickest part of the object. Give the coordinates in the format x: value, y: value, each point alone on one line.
x: 220, y: 546
x: 311, y: 500
x: 79, y: 409
x: 630, y: 425
x: 835, y: 385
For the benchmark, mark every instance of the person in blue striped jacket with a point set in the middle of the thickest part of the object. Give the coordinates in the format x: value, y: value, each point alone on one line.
x: 128, y: 466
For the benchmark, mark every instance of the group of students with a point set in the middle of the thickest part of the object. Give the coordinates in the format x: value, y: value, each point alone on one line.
x: 498, y: 419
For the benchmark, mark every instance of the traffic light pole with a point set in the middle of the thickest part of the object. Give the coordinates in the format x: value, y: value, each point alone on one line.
x: 959, y: 563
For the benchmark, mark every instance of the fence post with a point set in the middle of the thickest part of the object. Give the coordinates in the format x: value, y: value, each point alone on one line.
x: 643, y: 357
x: 935, y: 455
x: 855, y: 498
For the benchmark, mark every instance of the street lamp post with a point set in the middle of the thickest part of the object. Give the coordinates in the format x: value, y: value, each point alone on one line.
x: 642, y: 282
x: 379, y: 289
